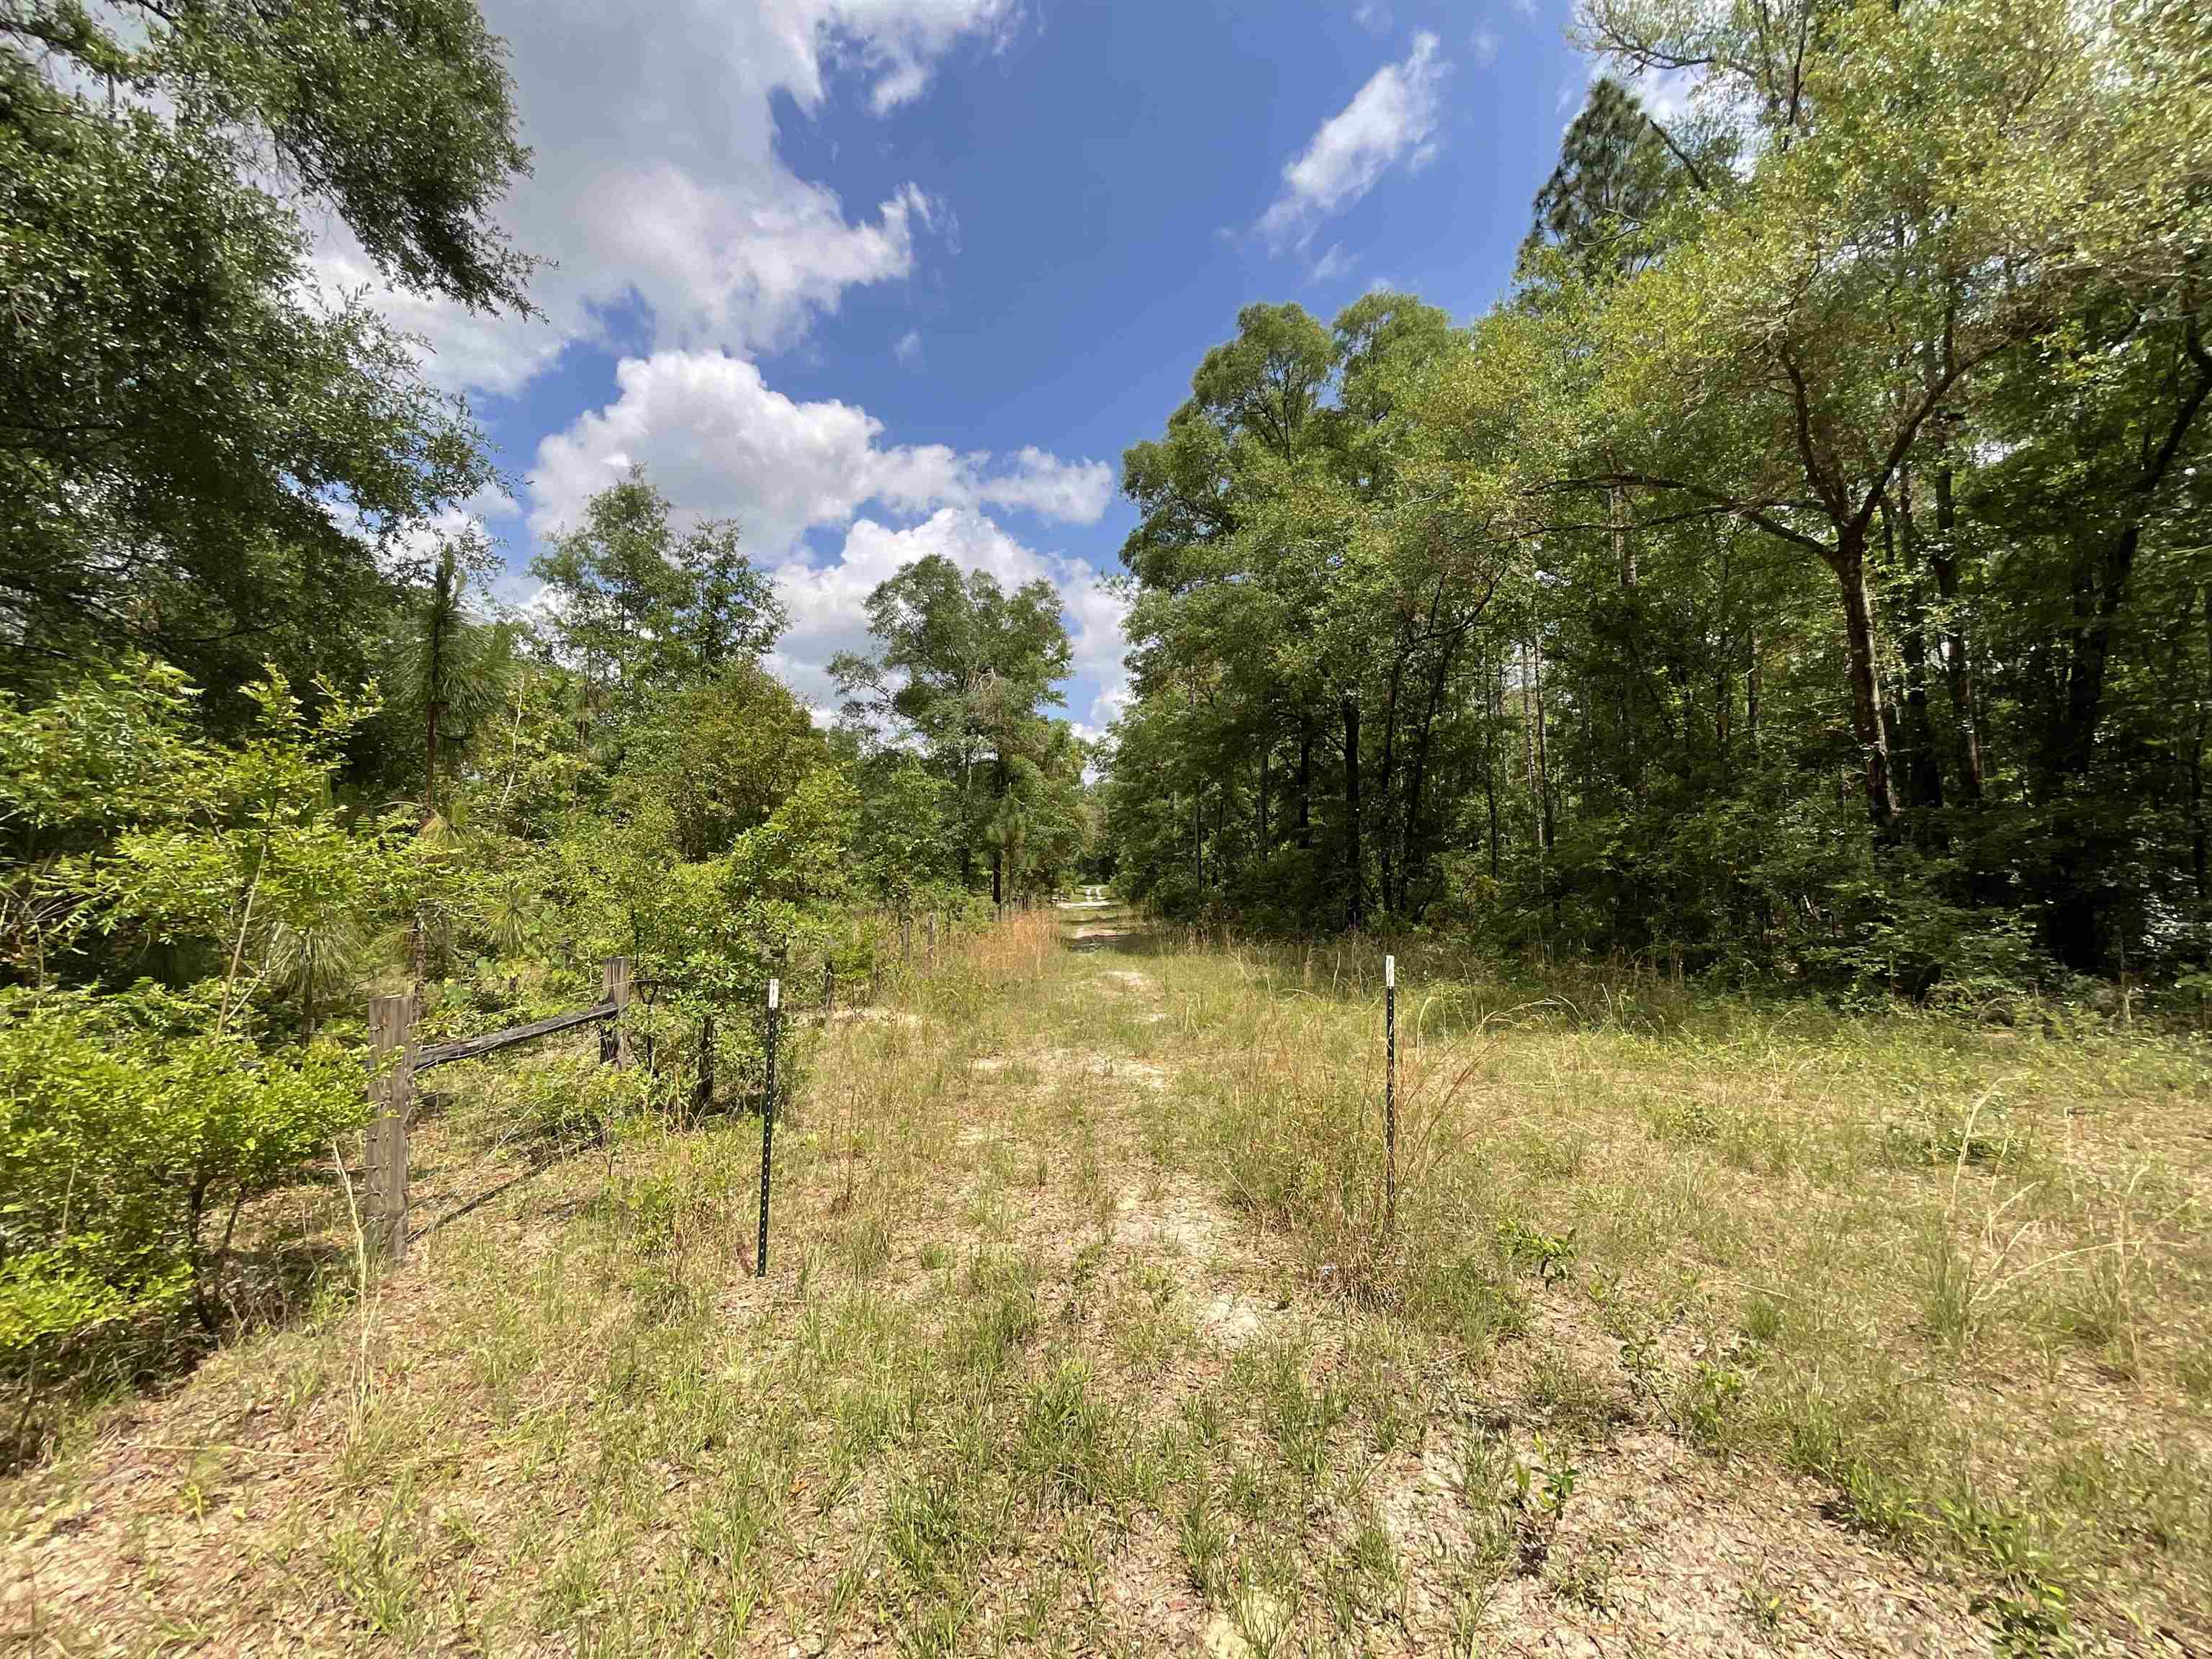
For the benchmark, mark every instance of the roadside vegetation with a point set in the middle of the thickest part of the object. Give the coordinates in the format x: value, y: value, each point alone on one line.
x: 1708, y: 1321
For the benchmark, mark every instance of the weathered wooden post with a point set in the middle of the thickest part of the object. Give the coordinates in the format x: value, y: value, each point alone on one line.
x: 384, y: 1176
x: 614, y: 986
x: 932, y: 941
x: 1390, y: 1093
x: 829, y: 990
x: 768, y: 1123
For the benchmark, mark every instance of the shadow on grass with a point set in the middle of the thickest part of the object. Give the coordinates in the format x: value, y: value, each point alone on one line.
x: 1116, y: 933
x: 152, y: 1353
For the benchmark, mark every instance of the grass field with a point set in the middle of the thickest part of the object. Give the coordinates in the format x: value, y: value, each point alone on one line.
x: 1705, y: 1325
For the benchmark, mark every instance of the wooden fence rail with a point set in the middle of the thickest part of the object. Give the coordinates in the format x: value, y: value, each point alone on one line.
x: 396, y: 1061
x: 391, y: 1090
x: 442, y: 1054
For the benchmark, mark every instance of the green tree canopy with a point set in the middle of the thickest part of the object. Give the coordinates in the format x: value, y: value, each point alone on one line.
x: 197, y: 453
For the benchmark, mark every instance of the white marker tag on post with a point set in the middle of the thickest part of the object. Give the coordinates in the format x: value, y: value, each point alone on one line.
x: 1390, y: 973
x: 775, y: 991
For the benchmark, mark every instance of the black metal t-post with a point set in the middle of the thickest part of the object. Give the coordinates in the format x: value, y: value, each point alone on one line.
x: 1391, y: 1092
x: 768, y: 1123
x: 706, y: 1090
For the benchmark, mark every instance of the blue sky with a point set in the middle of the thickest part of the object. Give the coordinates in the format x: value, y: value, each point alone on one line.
x: 885, y: 277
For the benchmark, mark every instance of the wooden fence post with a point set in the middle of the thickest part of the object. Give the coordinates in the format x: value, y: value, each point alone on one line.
x: 933, y: 941
x: 385, y: 1172
x: 614, y: 986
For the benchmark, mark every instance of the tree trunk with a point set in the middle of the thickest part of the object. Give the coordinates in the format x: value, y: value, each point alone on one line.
x: 1198, y: 836
x: 1543, y: 756
x: 1355, y: 867
x: 1528, y: 748
x: 1386, y: 839
x: 1493, y: 700
x: 1623, y: 547
x: 967, y: 815
x: 2200, y: 842
x: 1868, y: 719
x: 1924, y: 769
x: 1723, y: 705
x: 1264, y: 752
x: 1957, y: 667
x: 2100, y: 591
x: 1415, y: 858
x: 1305, y: 780
x: 1751, y: 699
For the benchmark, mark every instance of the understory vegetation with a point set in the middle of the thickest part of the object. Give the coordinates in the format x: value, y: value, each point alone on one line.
x: 270, y: 747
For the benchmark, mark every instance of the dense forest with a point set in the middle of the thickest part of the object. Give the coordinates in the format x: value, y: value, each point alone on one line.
x: 1801, y: 574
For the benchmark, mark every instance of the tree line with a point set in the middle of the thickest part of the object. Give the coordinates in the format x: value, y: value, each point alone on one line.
x: 1802, y: 573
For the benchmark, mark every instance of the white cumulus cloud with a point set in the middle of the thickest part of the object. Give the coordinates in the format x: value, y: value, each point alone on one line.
x: 718, y: 440
x: 1392, y: 119
x: 658, y: 181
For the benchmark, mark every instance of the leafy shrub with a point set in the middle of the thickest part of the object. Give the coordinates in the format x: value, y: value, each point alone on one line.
x: 132, y: 1134
x: 574, y: 1100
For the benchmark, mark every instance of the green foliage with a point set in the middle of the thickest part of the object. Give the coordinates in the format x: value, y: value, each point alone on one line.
x: 1798, y: 576
x: 641, y: 609
x: 720, y: 751
x: 139, y: 1113
x: 192, y: 435
x: 132, y: 1130
x: 964, y: 668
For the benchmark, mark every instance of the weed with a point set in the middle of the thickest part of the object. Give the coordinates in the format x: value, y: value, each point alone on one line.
x: 1072, y: 1448
x: 1685, y: 1120
x: 1571, y: 1399
x: 1299, y: 1418
x: 2194, y: 1370
x: 1761, y: 1606
x: 1550, y: 1256
x: 1585, y: 1579
x: 1205, y: 1542
x: 1705, y: 1404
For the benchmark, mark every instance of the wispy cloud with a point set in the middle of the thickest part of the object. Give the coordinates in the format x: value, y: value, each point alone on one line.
x: 1333, y: 261
x: 908, y: 348
x: 1485, y: 42
x: 1393, y: 119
